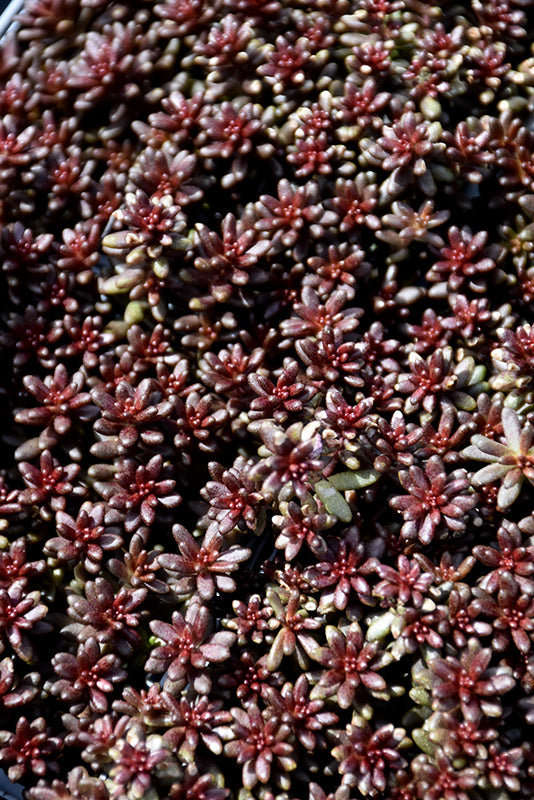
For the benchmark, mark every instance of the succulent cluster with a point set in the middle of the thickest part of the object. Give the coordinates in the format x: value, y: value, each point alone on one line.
x: 267, y: 400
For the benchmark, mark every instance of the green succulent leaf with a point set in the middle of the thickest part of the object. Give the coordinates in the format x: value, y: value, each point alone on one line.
x: 333, y: 500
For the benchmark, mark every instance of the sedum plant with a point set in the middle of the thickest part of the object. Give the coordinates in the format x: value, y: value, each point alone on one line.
x: 267, y: 457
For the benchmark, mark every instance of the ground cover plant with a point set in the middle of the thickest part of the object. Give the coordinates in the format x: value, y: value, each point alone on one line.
x: 267, y: 410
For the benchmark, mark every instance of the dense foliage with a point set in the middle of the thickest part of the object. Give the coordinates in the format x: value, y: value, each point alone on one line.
x: 267, y: 400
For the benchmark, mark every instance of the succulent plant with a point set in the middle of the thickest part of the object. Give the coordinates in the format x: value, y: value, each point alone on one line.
x: 267, y: 403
